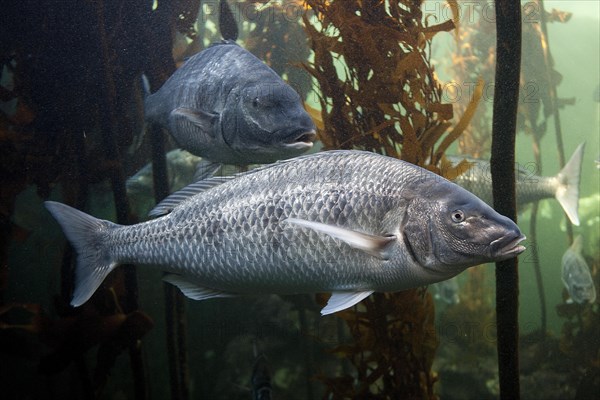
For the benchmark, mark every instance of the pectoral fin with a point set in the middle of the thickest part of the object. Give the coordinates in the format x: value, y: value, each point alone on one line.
x: 372, y: 244
x: 341, y: 300
x: 206, y: 121
x: 192, y: 290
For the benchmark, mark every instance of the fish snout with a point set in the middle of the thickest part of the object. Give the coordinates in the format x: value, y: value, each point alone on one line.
x: 507, y: 246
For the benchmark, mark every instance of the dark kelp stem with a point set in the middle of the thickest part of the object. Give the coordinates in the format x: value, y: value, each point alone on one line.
x: 161, y: 190
x: 506, y: 98
x: 175, y: 317
x: 555, y: 111
x: 110, y: 127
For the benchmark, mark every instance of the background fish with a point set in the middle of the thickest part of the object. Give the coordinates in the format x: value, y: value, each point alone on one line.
x: 564, y: 186
x: 447, y: 291
x: 576, y: 274
x: 227, y: 106
x: 181, y: 167
x: 347, y: 222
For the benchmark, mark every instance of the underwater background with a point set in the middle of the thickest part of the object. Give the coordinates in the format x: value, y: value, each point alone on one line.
x: 71, y: 123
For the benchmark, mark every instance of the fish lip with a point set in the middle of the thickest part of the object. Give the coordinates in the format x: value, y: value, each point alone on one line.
x: 508, y: 246
x: 303, y: 140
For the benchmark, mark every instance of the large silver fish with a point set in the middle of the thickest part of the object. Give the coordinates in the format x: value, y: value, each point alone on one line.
x: 347, y: 222
x: 529, y: 187
x: 227, y: 106
x: 576, y: 274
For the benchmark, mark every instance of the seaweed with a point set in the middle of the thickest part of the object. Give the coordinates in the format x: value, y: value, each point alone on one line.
x: 579, y: 341
x: 391, y: 360
x: 475, y: 59
x: 278, y: 38
x: 378, y: 91
x: 74, y: 82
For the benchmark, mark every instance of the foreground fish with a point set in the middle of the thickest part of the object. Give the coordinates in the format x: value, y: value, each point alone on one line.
x: 347, y: 222
x: 529, y: 187
x: 227, y: 106
x: 576, y: 274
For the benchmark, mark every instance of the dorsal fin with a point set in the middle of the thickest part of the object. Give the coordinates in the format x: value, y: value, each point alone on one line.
x: 172, y: 201
x: 341, y: 300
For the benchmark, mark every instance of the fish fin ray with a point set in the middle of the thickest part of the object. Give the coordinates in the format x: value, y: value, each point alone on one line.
x: 341, y: 300
x: 94, y: 261
x: 568, y: 193
x: 172, y: 201
x: 194, y: 291
x: 371, y: 244
x: 206, y: 121
x: 205, y: 170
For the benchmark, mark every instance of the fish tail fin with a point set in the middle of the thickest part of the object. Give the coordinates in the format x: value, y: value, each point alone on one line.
x: 568, y: 191
x: 85, y: 233
x: 139, y: 137
x: 146, y: 86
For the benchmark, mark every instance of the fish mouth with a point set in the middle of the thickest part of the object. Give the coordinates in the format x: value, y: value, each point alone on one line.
x: 508, y: 246
x: 302, y: 141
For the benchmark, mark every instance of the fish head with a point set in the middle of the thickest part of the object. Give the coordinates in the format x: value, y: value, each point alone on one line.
x: 271, y: 123
x: 449, y: 229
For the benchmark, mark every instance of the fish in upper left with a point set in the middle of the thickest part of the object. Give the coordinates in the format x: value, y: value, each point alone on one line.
x: 347, y: 222
x: 228, y: 107
x: 576, y: 274
x: 181, y: 166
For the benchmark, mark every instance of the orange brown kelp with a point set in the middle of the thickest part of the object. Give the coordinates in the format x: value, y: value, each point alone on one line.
x: 378, y: 91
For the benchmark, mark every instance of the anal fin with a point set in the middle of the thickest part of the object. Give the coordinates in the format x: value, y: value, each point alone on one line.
x: 192, y: 290
x: 341, y: 300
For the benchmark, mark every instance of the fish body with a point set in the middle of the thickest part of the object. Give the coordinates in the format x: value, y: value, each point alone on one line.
x: 181, y: 167
x: 227, y: 106
x: 347, y: 222
x: 576, y: 274
x: 529, y: 187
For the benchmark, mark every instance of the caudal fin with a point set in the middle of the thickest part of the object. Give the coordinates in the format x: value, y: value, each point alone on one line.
x: 85, y: 234
x: 568, y: 191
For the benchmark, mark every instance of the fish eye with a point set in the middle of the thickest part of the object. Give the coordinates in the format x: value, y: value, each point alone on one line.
x: 458, y: 216
x: 255, y: 102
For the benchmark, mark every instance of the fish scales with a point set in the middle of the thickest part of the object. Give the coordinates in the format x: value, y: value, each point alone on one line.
x: 349, y: 222
x: 204, y: 237
x: 528, y: 187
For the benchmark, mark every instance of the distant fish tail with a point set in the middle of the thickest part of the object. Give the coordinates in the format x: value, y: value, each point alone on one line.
x: 139, y: 137
x: 85, y: 233
x: 146, y: 86
x: 568, y: 191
